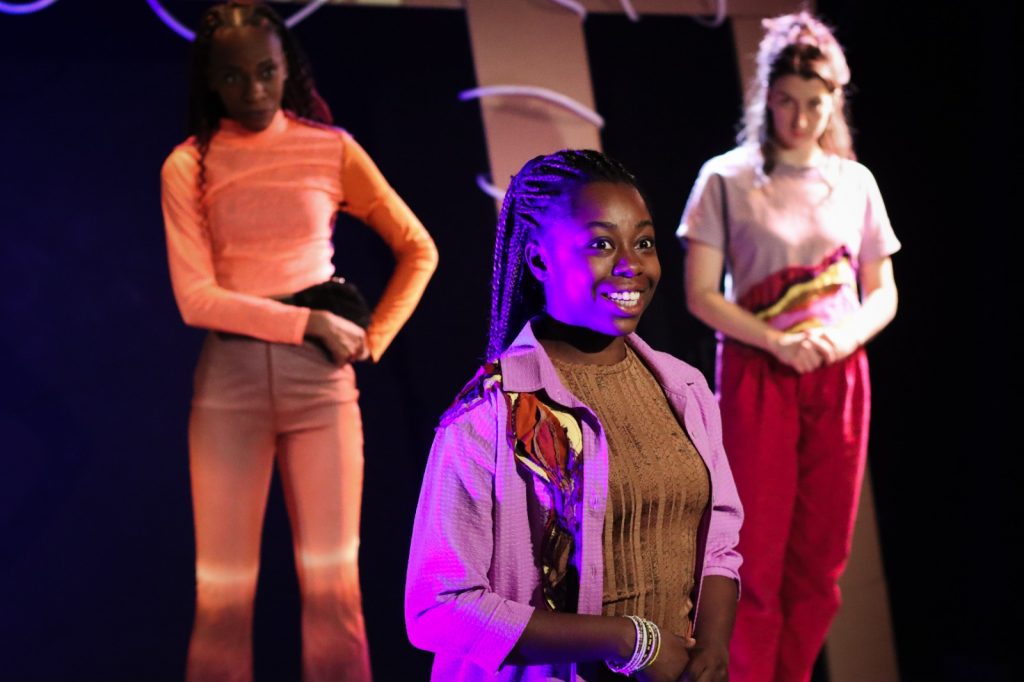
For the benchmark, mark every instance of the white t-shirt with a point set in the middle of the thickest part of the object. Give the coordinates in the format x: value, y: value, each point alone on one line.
x: 797, y: 216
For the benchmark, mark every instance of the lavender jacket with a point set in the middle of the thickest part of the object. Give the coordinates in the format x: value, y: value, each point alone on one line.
x: 473, y: 579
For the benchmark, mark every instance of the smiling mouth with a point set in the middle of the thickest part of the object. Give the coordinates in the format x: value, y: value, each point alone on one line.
x: 626, y: 300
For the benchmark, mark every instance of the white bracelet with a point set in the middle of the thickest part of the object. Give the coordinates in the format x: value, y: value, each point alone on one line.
x: 646, y: 649
x: 655, y: 646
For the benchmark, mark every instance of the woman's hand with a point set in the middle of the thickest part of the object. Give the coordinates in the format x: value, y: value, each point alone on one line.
x: 345, y: 339
x: 708, y: 663
x: 798, y: 351
x: 834, y: 343
x: 671, y: 662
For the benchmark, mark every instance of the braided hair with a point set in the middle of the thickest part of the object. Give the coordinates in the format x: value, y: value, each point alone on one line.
x: 204, y: 106
x: 544, y: 182
x: 797, y: 45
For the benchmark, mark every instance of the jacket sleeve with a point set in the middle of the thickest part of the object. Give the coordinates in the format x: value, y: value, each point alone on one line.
x: 721, y: 557
x: 369, y: 197
x: 449, y: 604
x: 201, y: 300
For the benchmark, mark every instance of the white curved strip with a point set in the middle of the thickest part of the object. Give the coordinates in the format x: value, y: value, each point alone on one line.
x: 216, y: 575
x: 627, y: 7
x: 572, y: 6
x: 171, y: 22
x: 719, y: 18
x: 304, y: 12
x: 581, y: 110
x: 490, y: 190
x: 25, y: 8
x: 342, y: 556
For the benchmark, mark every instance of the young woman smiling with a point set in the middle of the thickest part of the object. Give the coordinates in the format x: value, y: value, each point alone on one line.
x: 577, y: 506
x: 803, y: 234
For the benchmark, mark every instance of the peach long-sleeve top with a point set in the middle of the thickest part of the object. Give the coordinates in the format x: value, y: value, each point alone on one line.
x: 262, y: 228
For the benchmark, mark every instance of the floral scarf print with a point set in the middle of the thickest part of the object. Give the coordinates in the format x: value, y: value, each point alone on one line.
x: 547, y: 441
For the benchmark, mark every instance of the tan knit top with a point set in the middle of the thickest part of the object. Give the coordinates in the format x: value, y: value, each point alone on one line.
x: 657, y: 491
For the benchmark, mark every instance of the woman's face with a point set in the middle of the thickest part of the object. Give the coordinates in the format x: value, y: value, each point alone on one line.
x: 248, y: 70
x: 596, y: 260
x: 800, y: 109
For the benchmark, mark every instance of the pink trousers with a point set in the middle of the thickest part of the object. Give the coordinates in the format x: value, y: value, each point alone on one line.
x: 255, y: 404
x: 797, y: 446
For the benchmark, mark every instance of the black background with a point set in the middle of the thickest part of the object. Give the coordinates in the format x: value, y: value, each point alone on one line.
x: 96, y: 555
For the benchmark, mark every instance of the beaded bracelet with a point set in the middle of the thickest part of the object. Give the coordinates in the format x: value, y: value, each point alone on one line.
x: 646, y: 649
x: 655, y: 645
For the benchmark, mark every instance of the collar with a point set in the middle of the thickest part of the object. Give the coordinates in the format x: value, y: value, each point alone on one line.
x: 232, y: 131
x: 827, y: 168
x: 526, y: 368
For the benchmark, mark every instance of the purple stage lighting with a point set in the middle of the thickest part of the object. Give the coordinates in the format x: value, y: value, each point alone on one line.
x: 173, y: 23
x: 25, y: 8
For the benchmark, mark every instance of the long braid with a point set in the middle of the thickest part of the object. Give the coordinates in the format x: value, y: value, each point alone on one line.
x: 499, y: 282
x: 541, y: 184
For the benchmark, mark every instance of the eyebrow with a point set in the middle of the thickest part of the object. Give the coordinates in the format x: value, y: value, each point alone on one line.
x: 235, y: 67
x: 793, y: 96
x: 612, y: 226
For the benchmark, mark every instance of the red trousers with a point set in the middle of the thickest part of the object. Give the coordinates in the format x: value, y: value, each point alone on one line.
x: 257, y: 404
x: 797, y: 445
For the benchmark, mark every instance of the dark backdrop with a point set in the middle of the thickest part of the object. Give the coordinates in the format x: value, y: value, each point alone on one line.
x: 95, y: 524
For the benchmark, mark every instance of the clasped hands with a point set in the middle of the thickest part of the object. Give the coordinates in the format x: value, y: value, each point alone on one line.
x: 808, y: 350
x: 683, y: 659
